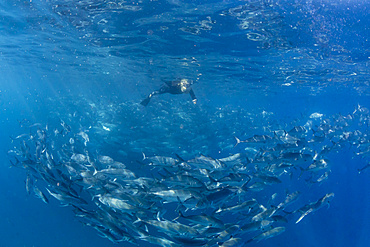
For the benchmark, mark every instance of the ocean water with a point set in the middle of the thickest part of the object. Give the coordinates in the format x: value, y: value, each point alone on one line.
x: 258, y: 67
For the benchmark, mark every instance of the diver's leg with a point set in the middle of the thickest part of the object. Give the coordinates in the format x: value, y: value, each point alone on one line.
x: 145, y: 102
x: 192, y: 95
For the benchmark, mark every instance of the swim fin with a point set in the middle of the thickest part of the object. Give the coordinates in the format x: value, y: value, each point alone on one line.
x: 145, y: 102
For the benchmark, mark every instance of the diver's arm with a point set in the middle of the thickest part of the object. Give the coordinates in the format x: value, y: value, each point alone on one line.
x: 192, y: 95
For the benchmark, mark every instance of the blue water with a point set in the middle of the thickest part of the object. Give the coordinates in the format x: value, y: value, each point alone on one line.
x: 255, y: 64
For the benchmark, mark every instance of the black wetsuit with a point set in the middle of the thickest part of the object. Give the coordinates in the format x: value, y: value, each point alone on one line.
x: 173, y: 87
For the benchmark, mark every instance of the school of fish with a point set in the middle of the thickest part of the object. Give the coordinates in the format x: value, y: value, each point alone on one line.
x: 184, y: 199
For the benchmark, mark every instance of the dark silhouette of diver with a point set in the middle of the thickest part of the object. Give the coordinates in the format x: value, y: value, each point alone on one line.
x: 173, y: 87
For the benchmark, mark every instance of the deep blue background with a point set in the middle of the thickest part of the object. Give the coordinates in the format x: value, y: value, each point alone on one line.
x: 315, y: 59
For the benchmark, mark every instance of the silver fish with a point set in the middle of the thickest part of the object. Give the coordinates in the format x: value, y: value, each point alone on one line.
x: 312, y: 207
x: 268, y: 234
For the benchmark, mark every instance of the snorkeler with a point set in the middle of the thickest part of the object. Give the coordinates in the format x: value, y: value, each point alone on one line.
x: 173, y: 87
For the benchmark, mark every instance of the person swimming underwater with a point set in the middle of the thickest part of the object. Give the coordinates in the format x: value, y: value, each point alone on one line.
x: 173, y: 87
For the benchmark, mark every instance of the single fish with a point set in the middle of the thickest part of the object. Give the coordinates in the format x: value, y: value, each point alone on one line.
x: 312, y: 207
x: 363, y: 168
x: 268, y: 234
x: 40, y: 194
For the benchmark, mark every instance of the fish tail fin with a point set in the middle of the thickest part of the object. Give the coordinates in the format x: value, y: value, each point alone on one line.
x: 181, y: 159
x: 138, y: 220
x: 237, y: 141
x: 244, y: 186
x: 212, y: 179
x: 16, y: 162
x: 180, y: 214
x: 179, y: 206
x: 302, y: 170
x: 219, y: 210
x: 94, y: 196
x: 144, y: 157
x: 328, y: 203
x: 146, y: 189
x: 143, y: 233
x: 159, y: 216
x: 95, y: 171
x: 13, y: 165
